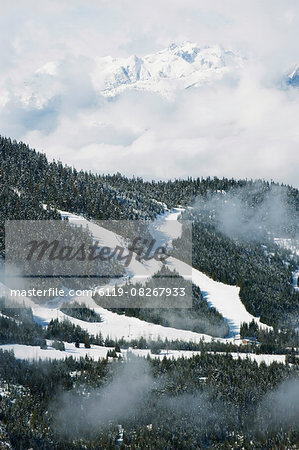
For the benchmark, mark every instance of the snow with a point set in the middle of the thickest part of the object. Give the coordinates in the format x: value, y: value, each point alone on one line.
x: 226, y: 300
x: 175, y: 354
x: 17, y: 191
x: 30, y: 352
x: 102, y: 235
x: 295, y: 276
x: 4, y: 390
x: 293, y: 78
x: 137, y: 271
x: 289, y: 244
x: 96, y: 352
x: 166, y: 227
x: 180, y: 66
x: 118, y: 326
x: 223, y: 297
x: 268, y: 359
x: 295, y: 72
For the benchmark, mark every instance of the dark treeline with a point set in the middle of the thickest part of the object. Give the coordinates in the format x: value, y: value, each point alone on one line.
x: 28, y: 180
x: 208, y: 401
x: 80, y: 311
x: 272, y: 340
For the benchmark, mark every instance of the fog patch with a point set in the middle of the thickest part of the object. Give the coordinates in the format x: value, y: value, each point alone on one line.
x: 185, y: 321
x: 250, y: 213
x: 280, y: 408
x: 86, y: 412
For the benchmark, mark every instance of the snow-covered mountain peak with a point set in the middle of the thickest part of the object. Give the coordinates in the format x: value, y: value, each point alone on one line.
x: 188, y: 51
x: 179, y: 66
x: 293, y: 77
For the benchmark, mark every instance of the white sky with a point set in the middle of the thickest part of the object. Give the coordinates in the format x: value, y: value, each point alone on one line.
x: 248, y: 130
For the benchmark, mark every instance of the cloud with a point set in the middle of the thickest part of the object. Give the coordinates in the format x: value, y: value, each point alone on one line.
x: 280, y: 408
x: 115, y: 401
x: 234, y: 215
x: 245, y: 127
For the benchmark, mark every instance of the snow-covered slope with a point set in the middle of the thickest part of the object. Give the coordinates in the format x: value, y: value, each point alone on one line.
x: 96, y: 352
x: 180, y: 66
x: 224, y: 298
x: 118, y: 326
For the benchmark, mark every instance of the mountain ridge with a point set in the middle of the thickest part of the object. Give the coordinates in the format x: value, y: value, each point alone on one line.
x: 179, y: 66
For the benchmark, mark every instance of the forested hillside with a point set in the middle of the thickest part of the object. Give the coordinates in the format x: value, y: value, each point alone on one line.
x: 149, y: 225
x: 211, y: 400
x: 261, y: 269
x: 28, y: 181
x: 208, y: 401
